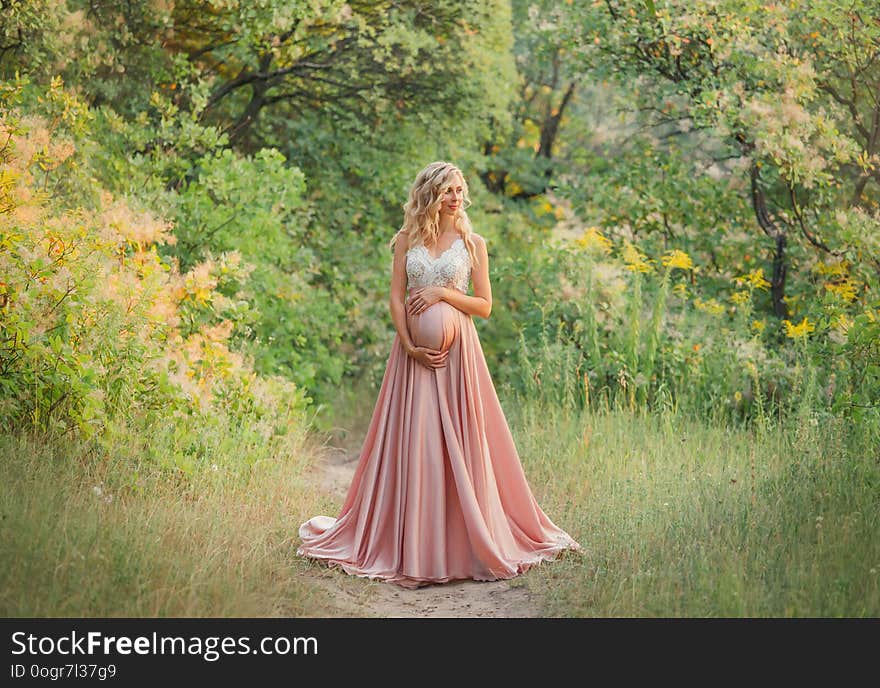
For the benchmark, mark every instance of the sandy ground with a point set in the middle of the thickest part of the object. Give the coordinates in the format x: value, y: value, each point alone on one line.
x: 360, y: 597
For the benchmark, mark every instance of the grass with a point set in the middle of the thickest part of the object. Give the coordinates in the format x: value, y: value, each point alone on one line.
x: 683, y: 519
x: 100, y: 533
x: 677, y: 517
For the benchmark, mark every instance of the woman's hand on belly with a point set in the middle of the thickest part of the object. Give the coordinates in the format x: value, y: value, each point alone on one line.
x: 430, y: 358
x: 422, y: 298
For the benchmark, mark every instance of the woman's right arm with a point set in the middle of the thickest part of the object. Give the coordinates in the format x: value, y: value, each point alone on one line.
x: 398, y: 292
x: 430, y: 358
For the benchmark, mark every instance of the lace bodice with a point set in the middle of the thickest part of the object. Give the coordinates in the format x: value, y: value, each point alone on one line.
x: 452, y: 268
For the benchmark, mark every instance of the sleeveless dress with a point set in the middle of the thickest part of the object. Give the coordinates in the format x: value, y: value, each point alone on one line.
x: 439, y: 492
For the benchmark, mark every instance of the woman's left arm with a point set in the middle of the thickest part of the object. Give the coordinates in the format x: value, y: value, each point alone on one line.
x: 479, y: 304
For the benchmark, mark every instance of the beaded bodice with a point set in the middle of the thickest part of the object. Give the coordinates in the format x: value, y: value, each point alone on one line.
x: 452, y: 268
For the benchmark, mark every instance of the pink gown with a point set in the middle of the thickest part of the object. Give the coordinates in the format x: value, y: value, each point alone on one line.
x: 439, y: 492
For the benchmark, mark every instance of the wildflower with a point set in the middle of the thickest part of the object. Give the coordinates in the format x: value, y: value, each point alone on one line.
x: 845, y: 290
x: 740, y: 297
x: 838, y: 269
x: 758, y: 325
x: 680, y: 289
x: 219, y: 332
x: 711, y: 306
x: 200, y: 282
x: 122, y: 222
x: 799, y: 331
x: 231, y: 261
x: 594, y: 241
x: 738, y: 395
x: 635, y: 260
x: 677, y: 259
x: 754, y: 279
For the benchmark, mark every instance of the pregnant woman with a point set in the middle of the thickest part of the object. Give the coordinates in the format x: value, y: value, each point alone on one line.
x: 439, y: 492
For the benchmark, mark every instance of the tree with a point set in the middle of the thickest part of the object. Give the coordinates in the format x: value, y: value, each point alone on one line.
x: 746, y: 73
x: 231, y: 62
x: 522, y: 164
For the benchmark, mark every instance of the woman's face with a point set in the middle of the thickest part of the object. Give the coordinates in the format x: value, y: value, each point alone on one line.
x: 451, y: 195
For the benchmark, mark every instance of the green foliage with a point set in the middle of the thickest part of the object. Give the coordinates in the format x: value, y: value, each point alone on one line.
x: 862, y: 350
x: 599, y: 327
x: 95, y: 326
x: 32, y: 34
x: 187, y: 98
x: 759, y: 88
x: 680, y: 199
x: 279, y: 141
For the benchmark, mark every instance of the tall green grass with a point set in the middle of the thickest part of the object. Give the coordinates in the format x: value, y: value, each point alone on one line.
x: 107, y: 531
x: 678, y: 517
x: 681, y: 518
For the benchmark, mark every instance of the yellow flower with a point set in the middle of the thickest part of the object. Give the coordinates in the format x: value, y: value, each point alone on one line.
x: 635, y: 260
x: 711, y: 306
x: 838, y: 269
x: 740, y: 297
x: 738, y: 395
x: 200, y: 282
x: 802, y: 329
x: 754, y: 279
x: 677, y: 259
x: 758, y: 325
x: 594, y: 241
x: 845, y: 290
x: 680, y: 289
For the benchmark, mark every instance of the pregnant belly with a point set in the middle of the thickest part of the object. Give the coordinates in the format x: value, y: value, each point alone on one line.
x: 436, y: 327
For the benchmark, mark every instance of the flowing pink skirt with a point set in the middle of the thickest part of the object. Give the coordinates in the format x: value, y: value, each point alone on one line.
x: 439, y: 492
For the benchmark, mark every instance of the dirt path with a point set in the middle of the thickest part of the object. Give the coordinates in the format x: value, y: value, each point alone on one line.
x: 361, y: 597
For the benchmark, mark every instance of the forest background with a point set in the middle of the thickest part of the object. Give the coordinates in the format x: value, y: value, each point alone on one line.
x: 680, y: 201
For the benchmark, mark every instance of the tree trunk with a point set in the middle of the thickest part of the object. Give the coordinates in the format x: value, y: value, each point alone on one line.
x: 775, y: 232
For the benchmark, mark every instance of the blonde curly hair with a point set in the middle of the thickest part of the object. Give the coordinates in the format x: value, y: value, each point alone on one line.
x: 421, y: 212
